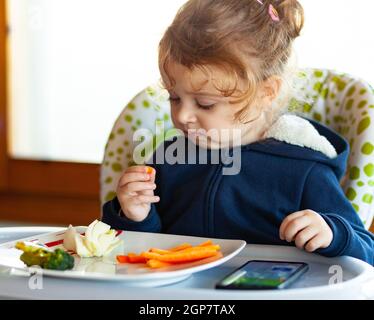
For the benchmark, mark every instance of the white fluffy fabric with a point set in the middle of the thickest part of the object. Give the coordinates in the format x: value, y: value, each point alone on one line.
x: 298, y: 131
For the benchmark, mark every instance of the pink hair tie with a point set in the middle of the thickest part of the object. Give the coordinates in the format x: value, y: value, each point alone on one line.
x: 260, y: 2
x: 273, y: 13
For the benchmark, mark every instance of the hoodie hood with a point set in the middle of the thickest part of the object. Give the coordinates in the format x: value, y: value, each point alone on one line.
x: 295, y: 137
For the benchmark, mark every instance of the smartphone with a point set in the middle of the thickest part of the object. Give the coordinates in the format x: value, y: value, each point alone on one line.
x: 260, y: 274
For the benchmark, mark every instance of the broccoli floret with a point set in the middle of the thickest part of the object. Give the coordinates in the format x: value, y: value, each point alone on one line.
x: 35, y: 256
x: 59, y: 260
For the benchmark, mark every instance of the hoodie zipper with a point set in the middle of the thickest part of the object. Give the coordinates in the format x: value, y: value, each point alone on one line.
x: 211, y: 194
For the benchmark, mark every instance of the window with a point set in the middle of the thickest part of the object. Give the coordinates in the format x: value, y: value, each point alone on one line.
x: 73, y: 66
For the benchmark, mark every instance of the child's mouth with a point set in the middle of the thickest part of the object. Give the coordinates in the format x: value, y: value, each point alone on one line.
x: 194, y: 134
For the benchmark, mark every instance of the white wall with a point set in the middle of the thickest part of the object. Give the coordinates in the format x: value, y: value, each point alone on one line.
x: 338, y: 34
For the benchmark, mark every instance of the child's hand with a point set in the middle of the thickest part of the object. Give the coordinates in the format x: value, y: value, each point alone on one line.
x: 135, y: 192
x: 308, y: 229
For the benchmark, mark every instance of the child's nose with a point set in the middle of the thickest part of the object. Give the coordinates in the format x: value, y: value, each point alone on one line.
x: 186, y: 114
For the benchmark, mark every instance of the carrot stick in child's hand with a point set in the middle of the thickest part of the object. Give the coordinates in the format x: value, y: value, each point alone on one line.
x: 149, y: 170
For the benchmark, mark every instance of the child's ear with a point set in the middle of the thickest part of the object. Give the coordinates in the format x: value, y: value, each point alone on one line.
x: 270, y: 89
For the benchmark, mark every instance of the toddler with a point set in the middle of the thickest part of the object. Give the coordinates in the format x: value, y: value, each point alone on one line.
x: 224, y: 64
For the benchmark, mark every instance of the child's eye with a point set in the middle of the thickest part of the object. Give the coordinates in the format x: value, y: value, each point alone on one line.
x: 201, y: 106
x: 205, y: 107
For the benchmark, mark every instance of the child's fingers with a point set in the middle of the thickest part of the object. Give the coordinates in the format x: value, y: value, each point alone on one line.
x: 140, y: 199
x: 288, y: 220
x: 137, y: 186
x: 294, y: 227
x: 132, y: 177
x: 315, y: 243
x: 151, y: 180
x: 137, y: 173
x: 148, y: 192
x: 304, y: 236
x: 139, y: 168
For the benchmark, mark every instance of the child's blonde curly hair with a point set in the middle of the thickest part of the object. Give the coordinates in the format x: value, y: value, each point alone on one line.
x: 238, y: 36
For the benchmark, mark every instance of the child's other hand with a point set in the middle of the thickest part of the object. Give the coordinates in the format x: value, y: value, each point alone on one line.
x: 308, y: 229
x: 135, y: 192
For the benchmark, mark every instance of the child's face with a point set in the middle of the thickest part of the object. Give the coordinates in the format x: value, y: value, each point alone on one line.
x: 208, y: 109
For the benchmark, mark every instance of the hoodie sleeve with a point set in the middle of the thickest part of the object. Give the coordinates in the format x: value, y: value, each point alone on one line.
x: 323, y: 194
x: 112, y: 217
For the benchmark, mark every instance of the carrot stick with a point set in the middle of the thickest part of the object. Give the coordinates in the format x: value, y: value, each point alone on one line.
x: 123, y: 259
x: 181, y: 256
x: 218, y: 255
x: 134, y: 258
x: 206, y: 243
x: 185, y: 252
x: 181, y: 247
x: 213, y: 247
x: 160, y: 251
x: 158, y: 264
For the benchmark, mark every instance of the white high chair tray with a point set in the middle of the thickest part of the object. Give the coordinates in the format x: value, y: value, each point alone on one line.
x: 357, y: 279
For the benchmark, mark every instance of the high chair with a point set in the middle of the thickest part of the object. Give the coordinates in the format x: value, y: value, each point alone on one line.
x: 340, y: 101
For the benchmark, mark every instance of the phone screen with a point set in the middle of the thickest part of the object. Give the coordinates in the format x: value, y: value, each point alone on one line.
x: 263, y: 275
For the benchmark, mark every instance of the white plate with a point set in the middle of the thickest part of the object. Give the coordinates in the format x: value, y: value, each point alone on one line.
x: 133, y: 274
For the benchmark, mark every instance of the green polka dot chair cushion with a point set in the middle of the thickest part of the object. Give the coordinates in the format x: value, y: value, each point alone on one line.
x: 149, y: 111
x: 344, y: 103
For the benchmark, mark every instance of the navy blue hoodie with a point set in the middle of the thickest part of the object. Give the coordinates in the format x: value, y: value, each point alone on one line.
x: 275, y: 180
